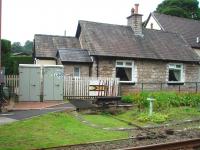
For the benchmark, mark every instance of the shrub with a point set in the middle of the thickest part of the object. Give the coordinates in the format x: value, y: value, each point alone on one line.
x: 127, y: 99
x: 156, y: 118
x: 163, y: 100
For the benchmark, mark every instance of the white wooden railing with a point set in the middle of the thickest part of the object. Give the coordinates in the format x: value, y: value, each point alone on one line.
x: 87, y: 87
x: 12, y: 81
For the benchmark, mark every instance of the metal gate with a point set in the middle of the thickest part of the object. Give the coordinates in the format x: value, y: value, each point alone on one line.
x: 53, y: 80
x: 29, y: 82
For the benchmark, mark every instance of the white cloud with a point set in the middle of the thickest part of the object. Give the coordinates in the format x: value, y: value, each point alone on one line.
x: 21, y: 19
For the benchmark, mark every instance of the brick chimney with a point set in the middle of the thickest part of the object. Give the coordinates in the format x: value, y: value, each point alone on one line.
x: 135, y: 21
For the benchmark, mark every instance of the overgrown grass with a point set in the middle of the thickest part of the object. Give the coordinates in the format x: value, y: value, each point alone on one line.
x: 53, y: 129
x: 163, y: 116
x: 165, y: 100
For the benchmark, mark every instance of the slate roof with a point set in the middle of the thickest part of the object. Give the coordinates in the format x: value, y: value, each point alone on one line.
x: 74, y: 55
x: 188, y: 28
x: 117, y: 40
x: 47, y: 45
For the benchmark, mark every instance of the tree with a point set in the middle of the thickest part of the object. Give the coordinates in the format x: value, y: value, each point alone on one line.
x: 180, y: 8
x: 17, y: 47
x: 28, y: 46
x: 6, y: 60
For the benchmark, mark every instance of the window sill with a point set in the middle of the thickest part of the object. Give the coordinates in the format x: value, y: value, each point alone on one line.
x: 175, y: 83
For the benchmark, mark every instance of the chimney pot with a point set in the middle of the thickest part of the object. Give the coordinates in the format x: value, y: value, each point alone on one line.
x: 136, y: 8
x: 132, y: 11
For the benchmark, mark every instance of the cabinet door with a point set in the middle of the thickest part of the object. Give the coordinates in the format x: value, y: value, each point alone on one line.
x: 35, y: 84
x: 24, y: 84
x: 48, y: 84
x: 58, y: 83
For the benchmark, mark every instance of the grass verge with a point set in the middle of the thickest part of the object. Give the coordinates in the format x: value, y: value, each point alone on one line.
x: 54, y: 129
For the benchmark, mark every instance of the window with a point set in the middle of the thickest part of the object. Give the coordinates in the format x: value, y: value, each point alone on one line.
x: 124, y: 70
x: 76, y: 71
x: 175, y: 73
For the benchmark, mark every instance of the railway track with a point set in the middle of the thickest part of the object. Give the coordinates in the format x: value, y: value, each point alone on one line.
x: 193, y: 144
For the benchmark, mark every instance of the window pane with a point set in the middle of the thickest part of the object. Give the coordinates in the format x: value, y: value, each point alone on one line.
x: 120, y: 63
x: 76, y: 71
x: 128, y: 63
x: 125, y: 74
x: 178, y: 66
x: 174, y: 75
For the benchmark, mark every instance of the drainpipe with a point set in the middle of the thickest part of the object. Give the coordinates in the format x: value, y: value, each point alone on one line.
x: 97, y: 66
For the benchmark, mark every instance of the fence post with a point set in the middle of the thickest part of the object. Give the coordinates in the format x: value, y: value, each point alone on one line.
x: 161, y: 86
x: 142, y: 86
x: 196, y: 87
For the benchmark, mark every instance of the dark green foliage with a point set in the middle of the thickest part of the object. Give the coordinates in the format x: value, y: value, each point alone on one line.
x: 5, y: 54
x: 16, y: 60
x: 180, y: 8
x: 5, y: 46
x: 27, y: 48
x: 127, y: 99
x: 17, y: 47
x: 165, y: 100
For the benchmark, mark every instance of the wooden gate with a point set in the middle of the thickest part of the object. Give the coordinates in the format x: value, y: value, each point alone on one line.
x: 90, y: 87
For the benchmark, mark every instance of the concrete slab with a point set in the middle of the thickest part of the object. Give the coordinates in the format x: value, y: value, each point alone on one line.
x: 35, y: 105
x: 25, y: 114
x: 5, y: 120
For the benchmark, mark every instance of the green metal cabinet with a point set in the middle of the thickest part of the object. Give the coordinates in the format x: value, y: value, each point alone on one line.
x: 53, y: 81
x: 29, y: 82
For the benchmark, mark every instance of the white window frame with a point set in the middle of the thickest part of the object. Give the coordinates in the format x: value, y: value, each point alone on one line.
x: 126, y: 66
x: 78, y: 72
x: 173, y: 66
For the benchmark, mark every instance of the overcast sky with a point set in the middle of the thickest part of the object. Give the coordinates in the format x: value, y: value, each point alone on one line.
x: 21, y: 19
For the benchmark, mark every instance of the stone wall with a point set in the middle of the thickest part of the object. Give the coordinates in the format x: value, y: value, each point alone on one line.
x: 151, y: 71
x: 106, y: 67
x: 192, y: 73
x: 147, y: 71
x: 84, y: 69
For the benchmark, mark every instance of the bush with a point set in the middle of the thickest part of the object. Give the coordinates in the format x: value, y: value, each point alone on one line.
x: 164, y: 100
x: 156, y: 118
x: 127, y: 99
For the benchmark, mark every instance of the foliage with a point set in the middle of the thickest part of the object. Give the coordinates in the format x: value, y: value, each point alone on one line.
x: 26, y: 48
x: 127, y: 99
x: 165, y: 99
x: 17, y: 47
x: 54, y: 129
x: 16, y: 60
x: 5, y: 54
x: 180, y: 8
x: 156, y: 117
x: 171, y: 114
x: 5, y: 46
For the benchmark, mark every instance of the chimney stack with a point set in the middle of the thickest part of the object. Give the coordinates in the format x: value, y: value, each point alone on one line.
x: 135, y: 21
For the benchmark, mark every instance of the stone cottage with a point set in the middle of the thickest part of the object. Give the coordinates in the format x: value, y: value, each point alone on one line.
x: 130, y: 52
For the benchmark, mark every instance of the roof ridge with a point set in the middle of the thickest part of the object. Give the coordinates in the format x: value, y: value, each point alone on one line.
x: 177, y: 17
x: 75, y: 49
x: 101, y: 23
x: 55, y: 35
x: 161, y: 31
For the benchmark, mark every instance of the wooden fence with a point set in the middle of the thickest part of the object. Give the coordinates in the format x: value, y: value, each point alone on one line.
x: 12, y: 82
x: 90, y: 87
